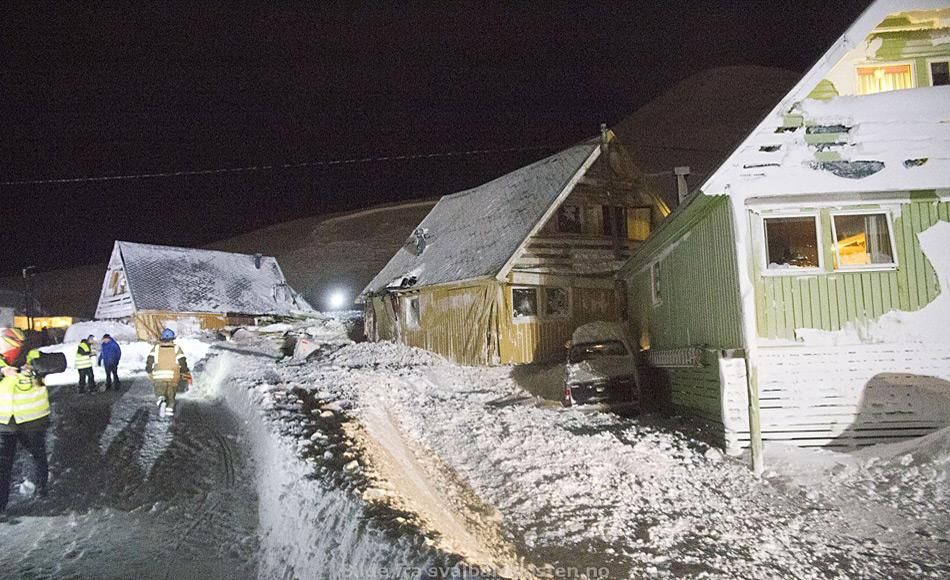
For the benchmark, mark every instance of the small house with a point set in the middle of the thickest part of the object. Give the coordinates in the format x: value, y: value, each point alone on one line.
x: 190, y: 289
x: 800, y: 294
x: 504, y: 272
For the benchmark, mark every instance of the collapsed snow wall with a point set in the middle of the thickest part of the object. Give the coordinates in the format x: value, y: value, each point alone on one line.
x: 312, y: 522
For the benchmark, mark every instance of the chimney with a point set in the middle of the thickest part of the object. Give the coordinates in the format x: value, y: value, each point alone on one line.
x: 603, y: 137
x: 682, y: 188
x: 258, y: 258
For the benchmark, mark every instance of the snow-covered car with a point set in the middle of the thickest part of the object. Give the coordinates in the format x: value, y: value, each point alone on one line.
x: 601, y: 367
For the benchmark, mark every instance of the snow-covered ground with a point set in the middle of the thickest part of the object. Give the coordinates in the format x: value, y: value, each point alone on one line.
x: 382, y: 461
x: 136, y: 496
x: 488, y: 473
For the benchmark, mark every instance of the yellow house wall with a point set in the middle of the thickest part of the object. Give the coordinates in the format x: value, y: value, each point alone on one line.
x: 527, y: 341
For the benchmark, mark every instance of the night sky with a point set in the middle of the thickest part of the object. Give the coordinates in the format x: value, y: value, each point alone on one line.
x: 98, y: 91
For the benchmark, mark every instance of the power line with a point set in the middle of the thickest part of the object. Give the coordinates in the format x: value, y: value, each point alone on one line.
x: 251, y: 168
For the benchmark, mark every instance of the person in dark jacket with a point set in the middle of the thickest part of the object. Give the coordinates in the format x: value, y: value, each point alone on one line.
x: 109, y: 355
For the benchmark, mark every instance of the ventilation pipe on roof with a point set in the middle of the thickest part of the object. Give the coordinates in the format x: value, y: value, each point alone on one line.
x: 682, y: 188
x: 258, y: 258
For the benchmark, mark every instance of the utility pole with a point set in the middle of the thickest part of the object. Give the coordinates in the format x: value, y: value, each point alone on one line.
x: 28, y: 295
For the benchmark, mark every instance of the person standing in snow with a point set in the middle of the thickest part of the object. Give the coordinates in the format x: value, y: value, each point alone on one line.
x: 167, y: 367
x: 24, y: 418
x: 85, y: 358
x: 109, y: 355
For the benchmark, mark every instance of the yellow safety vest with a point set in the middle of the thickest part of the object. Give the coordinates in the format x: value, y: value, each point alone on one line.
x: 84, y: 356
x: 23, y: 399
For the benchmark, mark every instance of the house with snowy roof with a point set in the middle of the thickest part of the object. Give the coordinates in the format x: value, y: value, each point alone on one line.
x: 801, y: 291
x: 190, y: 289
x: 504, y: 272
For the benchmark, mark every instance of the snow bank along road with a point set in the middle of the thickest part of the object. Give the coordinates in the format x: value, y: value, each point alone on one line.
x: 134, y: 496
x: 490, y: 479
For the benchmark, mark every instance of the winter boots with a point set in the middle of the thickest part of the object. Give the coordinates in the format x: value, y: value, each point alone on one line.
x: 164, y: 410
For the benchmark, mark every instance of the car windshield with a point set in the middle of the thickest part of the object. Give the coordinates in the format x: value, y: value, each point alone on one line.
x: 590, y: 350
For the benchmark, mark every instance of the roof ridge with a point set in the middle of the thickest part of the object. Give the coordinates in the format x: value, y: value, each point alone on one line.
x: 188, y: 249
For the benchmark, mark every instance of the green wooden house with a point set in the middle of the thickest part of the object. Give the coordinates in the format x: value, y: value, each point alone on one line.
x: 800, y: 292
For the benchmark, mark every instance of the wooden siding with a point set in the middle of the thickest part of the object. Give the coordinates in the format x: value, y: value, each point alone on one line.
x: 552, y: 252
x: 699, y: 302
x: 538, y: 339
x: 846, y: 396
x: 458, y: 323
x: 830, y: 300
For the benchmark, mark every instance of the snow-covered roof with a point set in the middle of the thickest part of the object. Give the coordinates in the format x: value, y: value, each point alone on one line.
x: 191, y: 280
x: 894, y: 141
x: 473, y: 233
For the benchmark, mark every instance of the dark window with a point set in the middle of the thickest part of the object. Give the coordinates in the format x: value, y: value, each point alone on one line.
x: 792, y: 242
x: 940, y: 73
x: 524, y: 302
x: 557, y: 302
x: 569, y: 219
x: 615, y: 221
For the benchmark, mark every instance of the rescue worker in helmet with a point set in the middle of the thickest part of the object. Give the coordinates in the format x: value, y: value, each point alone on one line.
x: 24, y: 414
x: 167, y: 367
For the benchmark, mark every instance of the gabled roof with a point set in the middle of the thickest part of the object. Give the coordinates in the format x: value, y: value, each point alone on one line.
x: 899, y: 140
x: 175, y: 279
x: 474, y: 233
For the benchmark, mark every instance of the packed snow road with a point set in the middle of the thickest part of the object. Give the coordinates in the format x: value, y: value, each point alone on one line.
x: 133, y: 495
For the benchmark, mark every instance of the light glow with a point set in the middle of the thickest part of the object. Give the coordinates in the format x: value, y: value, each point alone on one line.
x: 336, y: 300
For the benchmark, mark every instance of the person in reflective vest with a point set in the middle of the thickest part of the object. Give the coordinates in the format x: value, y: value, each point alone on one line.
x: 167, y: 367
x: 85, y: 360
x: 24, y: 418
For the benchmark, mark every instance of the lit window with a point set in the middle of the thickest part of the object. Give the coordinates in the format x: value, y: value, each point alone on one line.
x: 557, y: 302
x: 940, y: 73
x: 791, y: 243
x: 524, y: 303
x: 863, y: 240
x: 410, y: 307
x: 878, y: 79
x: 655, y: 283
x: 569, y: 219
x: 638, y: 223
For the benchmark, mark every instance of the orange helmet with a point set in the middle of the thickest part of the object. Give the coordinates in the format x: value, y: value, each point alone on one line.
x: 11, y: 344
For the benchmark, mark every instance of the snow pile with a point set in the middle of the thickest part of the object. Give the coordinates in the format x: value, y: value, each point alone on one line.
x: 568, y: 487
x: 118, y: 330
x: 387, y: 355
x: 313, y: 523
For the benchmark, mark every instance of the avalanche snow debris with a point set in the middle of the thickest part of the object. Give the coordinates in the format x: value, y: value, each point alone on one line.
x: 568, y: 485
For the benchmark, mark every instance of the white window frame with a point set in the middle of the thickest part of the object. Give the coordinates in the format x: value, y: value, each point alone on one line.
x: 764, y: 244
x: 913, y: 73
x: 868, y: 267
x: 523, y: 319
x: 934, y: 59
x: 656, y: 276
x: 543, y: 307
x: 407, y: 308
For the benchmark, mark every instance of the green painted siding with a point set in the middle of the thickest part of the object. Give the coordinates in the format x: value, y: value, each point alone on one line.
x: 830, y: 300
x: 699, y: 298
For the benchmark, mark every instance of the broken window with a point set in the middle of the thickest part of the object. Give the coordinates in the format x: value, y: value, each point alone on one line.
x: 524, y: 303
x: 940, y: 73
x: 411, y: 313
x: 655, y: 283
x: 791, y: 242
x: 862, y: 240
x: 615, y: 221
x: 890, y: 77
x: 557, y: 302
x: 569, y: 219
